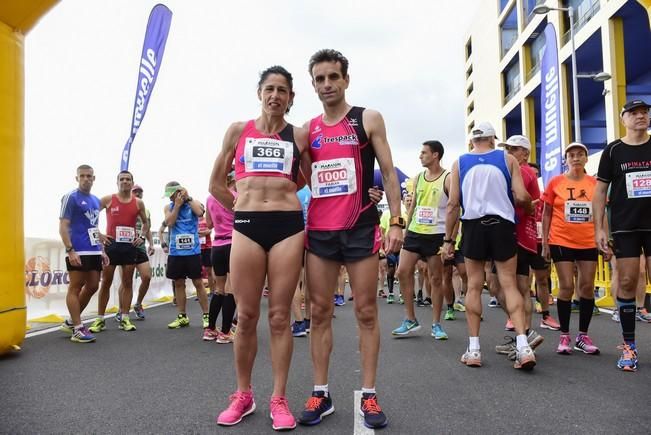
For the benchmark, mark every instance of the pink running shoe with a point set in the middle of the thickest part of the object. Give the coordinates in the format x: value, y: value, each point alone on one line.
x: 225, y: 338
x: 564, y: 346
x: 210, y: 334
x: 281, y: 416
x: 585, y: 345
x: 509, y: 325
x: 548, y: 322
x: 242, y: 404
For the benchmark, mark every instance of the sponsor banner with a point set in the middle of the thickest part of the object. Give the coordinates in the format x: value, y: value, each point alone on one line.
x: 46, y: 280
x: 550, y: 109
x: 153, y: 48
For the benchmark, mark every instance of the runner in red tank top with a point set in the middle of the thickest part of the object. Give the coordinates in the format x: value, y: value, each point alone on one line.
x: 121, y: 241
x: 342, y: 226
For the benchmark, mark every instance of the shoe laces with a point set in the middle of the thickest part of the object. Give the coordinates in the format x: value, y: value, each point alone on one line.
x: 238, y: 399
x: 371, y: 406
x: 586, y: 340
x: 313, y: 403
x: 627, y: 352
x: 508, y: 340
x: 279, y: 405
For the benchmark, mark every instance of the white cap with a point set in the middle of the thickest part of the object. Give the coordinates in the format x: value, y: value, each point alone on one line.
x: 517, y: 140
x: 576, y: 145
x: 483, y: 129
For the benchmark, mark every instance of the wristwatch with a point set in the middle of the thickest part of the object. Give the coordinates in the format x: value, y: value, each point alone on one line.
x: 70, y: 249
x: 188, y: 199
x: 397, y: 221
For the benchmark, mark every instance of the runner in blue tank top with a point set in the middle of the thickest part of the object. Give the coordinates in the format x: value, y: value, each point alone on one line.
x: 487, y: 183
x: 184, y: 260
x: 84, y: 255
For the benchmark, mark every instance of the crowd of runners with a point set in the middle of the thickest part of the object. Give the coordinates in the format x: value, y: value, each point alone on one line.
x: 293, y: 210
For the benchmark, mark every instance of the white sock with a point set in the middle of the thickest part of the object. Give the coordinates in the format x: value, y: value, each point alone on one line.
x: 368, y: 390
x: 473, y: 343
x: 323, y: 388
x: 78, y: 327
x: 521, y: 341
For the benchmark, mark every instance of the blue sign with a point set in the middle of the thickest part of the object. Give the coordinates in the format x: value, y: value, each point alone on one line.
x: 153, y: 48
x: 550, y: 109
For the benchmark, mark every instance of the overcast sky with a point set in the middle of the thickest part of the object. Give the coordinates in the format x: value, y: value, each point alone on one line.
x: 81, y: 62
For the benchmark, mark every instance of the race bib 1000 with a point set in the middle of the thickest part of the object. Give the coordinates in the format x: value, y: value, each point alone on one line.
x: 333, y: 178
x: 638, y: 184
x: 268, y: 155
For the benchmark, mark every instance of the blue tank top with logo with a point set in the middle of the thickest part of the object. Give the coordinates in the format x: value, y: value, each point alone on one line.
x: 184, y: 234
x: 82, y: 210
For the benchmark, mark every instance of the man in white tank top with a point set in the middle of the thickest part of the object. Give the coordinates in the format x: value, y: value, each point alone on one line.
x: 488, y: 185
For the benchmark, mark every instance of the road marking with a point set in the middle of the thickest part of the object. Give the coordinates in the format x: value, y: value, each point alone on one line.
x: 360, y: 429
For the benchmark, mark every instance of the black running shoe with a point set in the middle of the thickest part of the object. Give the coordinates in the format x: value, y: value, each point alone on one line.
x: 374, y: 418
x: 316, y: 407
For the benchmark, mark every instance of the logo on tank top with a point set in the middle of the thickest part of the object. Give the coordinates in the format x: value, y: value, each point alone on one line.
x: 353, y: 122
x: 345, y: 139
x: 115, y: 210
x: 316, y: 143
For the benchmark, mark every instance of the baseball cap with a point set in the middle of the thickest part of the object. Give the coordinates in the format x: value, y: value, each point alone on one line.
x: 137, y: 187
x: 576, y: 145
x: 517, y: 140
x: 483, y: 129
x: 172, y: 187
x: 633, y: 104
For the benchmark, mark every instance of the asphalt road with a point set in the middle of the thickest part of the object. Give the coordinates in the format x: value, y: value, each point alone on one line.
x: 161, y: 381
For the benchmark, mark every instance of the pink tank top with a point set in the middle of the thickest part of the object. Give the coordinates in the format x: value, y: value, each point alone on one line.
x: 342, y: 172
x: 222, y: 221
x: 264, y: 155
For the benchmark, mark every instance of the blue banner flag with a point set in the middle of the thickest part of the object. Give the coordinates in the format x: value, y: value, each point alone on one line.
x: 153, y: 48
x: 550, y: 108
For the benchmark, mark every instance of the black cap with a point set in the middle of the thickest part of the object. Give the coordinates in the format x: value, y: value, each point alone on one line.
x: 634, y: 104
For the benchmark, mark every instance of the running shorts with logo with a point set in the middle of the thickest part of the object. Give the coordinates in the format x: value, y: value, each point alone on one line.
x: 122, y: 254
x: 627, y: 169
x: 488, y: 238
x: 258, y: 225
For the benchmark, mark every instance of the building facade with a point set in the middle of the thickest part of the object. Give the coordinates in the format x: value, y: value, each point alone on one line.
x: 503, y: 50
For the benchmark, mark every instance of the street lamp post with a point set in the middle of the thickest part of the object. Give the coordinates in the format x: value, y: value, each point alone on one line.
x: 542, y: 10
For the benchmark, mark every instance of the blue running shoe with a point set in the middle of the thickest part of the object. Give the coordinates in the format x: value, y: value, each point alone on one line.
x: 374, y: 418
x: 406, y: 327
x: 628, y: 361
x: 82, y: 335
x: 140, y: 312
x: 316, y: 407
x: 298, y: 329
x: 438, y: 333
x: 306, y: 322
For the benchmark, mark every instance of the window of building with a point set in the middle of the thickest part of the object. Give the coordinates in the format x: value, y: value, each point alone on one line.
x: 471, y: 107
x: 471, y: 126
x: 584, y: 10
x: 470, y: 89
x: 469, y: 71
x: 509, y: 30
x: 503, y: 4
x: 511, y: 77
x: 536, y: 50
x: 468, y: 48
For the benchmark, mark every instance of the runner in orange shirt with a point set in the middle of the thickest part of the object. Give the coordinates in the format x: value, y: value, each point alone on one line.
x: 568, y: 238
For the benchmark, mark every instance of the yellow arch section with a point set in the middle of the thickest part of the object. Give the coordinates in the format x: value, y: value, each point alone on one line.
x: 17, y: 17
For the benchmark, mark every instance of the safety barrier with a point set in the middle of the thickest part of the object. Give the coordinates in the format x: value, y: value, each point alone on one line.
x: 602, y: 282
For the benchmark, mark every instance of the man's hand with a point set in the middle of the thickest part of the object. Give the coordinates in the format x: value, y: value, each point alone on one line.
x: 602, y: 240
x: 105, y: 239
x: 105, y: 260
x: 375, y: 194
x: 393, y: 240
x: 448, y: 251
x: 75, y: 259
x: 151, y: 251
x: 138, y: 241
x: 545, y: 252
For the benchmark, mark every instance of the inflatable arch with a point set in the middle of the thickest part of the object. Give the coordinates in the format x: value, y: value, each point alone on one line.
x: 17, y: 18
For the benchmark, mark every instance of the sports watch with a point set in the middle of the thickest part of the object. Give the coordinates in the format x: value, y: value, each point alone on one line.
x: 397, y: 221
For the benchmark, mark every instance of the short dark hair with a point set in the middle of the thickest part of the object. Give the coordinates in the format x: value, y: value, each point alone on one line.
x: 435, y: 146
x: 276, y: 69
x: 84, y: 167
x: 329, y: 55
x: 125, y: 172
x: 535, y: 165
